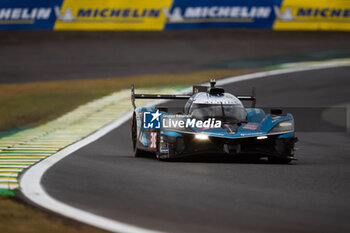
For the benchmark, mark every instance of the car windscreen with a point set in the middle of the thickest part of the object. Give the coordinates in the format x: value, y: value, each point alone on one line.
x: 229, y: 113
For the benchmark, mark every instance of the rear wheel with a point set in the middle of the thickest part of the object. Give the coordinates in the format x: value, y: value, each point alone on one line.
x: 137, y: 152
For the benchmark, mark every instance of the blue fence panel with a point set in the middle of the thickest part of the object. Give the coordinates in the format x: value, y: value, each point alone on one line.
x: 221, y: 14
x: 28, y: 14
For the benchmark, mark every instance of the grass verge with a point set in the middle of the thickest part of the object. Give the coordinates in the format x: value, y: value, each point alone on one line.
x: 16, y: 217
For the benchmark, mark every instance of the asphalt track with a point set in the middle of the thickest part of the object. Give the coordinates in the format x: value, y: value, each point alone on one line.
x: 27, y: 56
x: 215, y: 194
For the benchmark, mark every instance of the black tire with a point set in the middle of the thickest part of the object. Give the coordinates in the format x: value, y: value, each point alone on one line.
x: 137, y: 152
x: 284, y: 151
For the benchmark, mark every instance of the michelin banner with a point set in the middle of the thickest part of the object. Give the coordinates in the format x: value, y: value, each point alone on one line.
x: 174, y: 14
x: 30, y: 14
x: 313, y: 15
x: 112, y: 15
x: 220, y: 14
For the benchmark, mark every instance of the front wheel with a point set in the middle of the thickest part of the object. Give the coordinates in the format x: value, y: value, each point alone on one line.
x: 284, y: 151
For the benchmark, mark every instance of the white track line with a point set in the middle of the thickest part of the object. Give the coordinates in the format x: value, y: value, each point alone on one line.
x: 11, y: 170
x: 31, y: 157
x: 6, y: 186
x: 7, y: 174
x: 7, y: 179
x: 30, y: 182
x: 14, y: 166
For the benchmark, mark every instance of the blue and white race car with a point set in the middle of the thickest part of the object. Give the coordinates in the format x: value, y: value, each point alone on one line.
x: 212, y: 121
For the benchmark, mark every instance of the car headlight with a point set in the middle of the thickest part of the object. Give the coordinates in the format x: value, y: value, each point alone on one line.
x: 202, y: 137
x: 283, y: 126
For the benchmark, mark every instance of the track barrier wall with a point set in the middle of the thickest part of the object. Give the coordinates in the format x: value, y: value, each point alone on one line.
x: 174, y: 14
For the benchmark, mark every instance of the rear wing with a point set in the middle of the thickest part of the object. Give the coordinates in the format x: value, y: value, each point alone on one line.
x: 155, y: 96
x: 248, y: 97
x: 184, y: 97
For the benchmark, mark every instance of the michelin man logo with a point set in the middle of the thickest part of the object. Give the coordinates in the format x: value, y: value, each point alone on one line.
x: 174, y: 16
x: 286, y: 16
x: 151, y: 120
x: 67, y: 16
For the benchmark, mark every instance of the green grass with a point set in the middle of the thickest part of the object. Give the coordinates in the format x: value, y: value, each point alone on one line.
x: 6, y: 192
x: 16, y: 217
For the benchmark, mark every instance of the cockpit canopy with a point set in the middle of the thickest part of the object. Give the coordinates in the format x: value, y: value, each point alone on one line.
x: 227, y: 113
x: 225, y: 107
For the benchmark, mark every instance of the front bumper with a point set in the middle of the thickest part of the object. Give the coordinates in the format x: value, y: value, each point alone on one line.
x: 187, y: 144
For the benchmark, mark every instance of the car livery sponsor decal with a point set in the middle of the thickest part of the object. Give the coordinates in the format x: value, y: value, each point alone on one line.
x: 164, y: 150
x: 112, y: 15
x: 34, y: 14
x: 221, y: 13
x: 250, y: 126
x: 312, y: 15
x: 174, y: 14
x: 153, y: 140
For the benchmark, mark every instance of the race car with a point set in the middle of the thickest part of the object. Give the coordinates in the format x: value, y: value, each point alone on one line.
x: 212, y: 122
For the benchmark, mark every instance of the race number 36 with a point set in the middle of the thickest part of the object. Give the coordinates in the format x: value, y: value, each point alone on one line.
x: 153, y: 140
